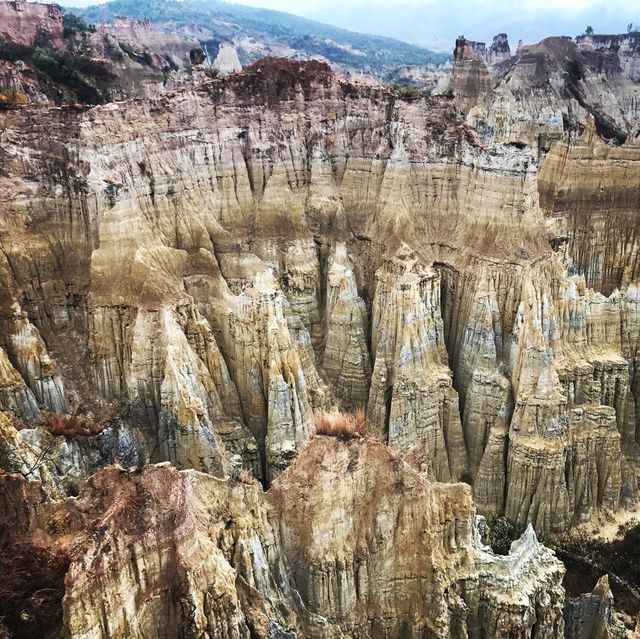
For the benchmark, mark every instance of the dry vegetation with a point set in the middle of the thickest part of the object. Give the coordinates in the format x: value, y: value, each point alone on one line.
x: 10, y: 99
x: 71, y: 425
x: 245, y: 477
x: 342, y: 425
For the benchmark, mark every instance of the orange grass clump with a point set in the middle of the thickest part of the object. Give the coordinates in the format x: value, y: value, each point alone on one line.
x: 343, y: 425
x: 71, y: 425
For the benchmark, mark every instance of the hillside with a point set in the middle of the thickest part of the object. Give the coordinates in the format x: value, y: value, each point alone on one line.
x: 214, y: 21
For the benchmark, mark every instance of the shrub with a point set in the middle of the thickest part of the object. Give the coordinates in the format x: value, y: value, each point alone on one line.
x: 11, y: 98
x: 502, y: 532
x: 31, y: 589
x: 211, y: 73
x: 72, y: 24
x: 59, y: 424
x: 406, y: 90
x: 342, y: 425
x: 409, y: 92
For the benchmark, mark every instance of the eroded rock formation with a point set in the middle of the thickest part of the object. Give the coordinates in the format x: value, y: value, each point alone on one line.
x: 386, y: 554
x: 200, y: 272
x: 221, y: 270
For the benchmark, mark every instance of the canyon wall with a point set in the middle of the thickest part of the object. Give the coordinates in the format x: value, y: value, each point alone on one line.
x: 204, y: 270
x: 199, y: 556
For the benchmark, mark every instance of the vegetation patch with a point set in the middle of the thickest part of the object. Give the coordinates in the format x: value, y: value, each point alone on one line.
x: 81, y: 78
x: 587, y: 559
x: 72, y: 24
x: 502, y: 533
x: 341, y: 425
x: 407, y: 91
x: 59, y: 424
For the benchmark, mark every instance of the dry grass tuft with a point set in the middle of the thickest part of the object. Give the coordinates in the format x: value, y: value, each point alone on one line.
x: 342, y: 425
x: 245, y: 477
x: 71, y: 425
x: 10, y: 99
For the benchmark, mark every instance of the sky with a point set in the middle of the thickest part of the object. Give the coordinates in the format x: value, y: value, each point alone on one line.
x: 436, y: 23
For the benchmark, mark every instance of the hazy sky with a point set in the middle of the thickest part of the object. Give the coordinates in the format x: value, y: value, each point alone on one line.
x: 439, y: 21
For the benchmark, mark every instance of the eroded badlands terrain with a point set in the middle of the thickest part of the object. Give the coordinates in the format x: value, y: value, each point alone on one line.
x: 187, y: 279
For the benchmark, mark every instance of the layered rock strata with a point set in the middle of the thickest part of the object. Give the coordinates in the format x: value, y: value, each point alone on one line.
x: 205, y: 557
x: 225, y: 260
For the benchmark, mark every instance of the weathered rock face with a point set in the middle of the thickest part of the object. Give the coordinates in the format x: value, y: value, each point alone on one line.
x: 23, y: 22
x: 47, y: 59
x: 499, y: 51
x: 184, y: 552
x: 625, y: 46
x: 350, y: 541
x: 412, y: 399
x: 223, y: 261
x: 470, y: 81
x: 589, y: 616
x: 355, y: 519
x: 589, y: 193
x: 202, y: 271
x: 548, y: 89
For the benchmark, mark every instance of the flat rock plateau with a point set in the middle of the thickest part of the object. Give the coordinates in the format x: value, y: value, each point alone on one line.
x: 190, y: 277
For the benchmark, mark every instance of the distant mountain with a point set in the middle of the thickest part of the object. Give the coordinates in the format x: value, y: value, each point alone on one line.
x: 268, y: 32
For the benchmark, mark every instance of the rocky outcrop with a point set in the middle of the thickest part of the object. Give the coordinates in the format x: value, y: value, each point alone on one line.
x: 499, y: 51
x: 589, y: 616
x: 22, y: 22
x: 52, y: 56
x: 412, y: 399
x: 470, y: 81
x: 346, y: 354
x: 625, y: 46
x: 184, y: 550
x: 587, y: 192
x: 549, y: 89
x: 389, y: 525
x: 227, y: 60
x: 226, y: 260
x: 349, y: 541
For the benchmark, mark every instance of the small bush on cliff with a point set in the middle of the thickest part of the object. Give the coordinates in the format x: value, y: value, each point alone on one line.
x: 11, y: 98
x: 405, y: 90
x: 31, y: 590
x: 342, y: 425
x: 502, y: 533
x: 59, y: 424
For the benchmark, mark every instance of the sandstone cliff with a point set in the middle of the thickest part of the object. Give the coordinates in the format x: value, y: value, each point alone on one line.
x: 220, y: 268
x: 190, y: 276
x: 197, y: 556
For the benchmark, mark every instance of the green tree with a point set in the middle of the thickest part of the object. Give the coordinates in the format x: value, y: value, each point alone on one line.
x: 589, y: 30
